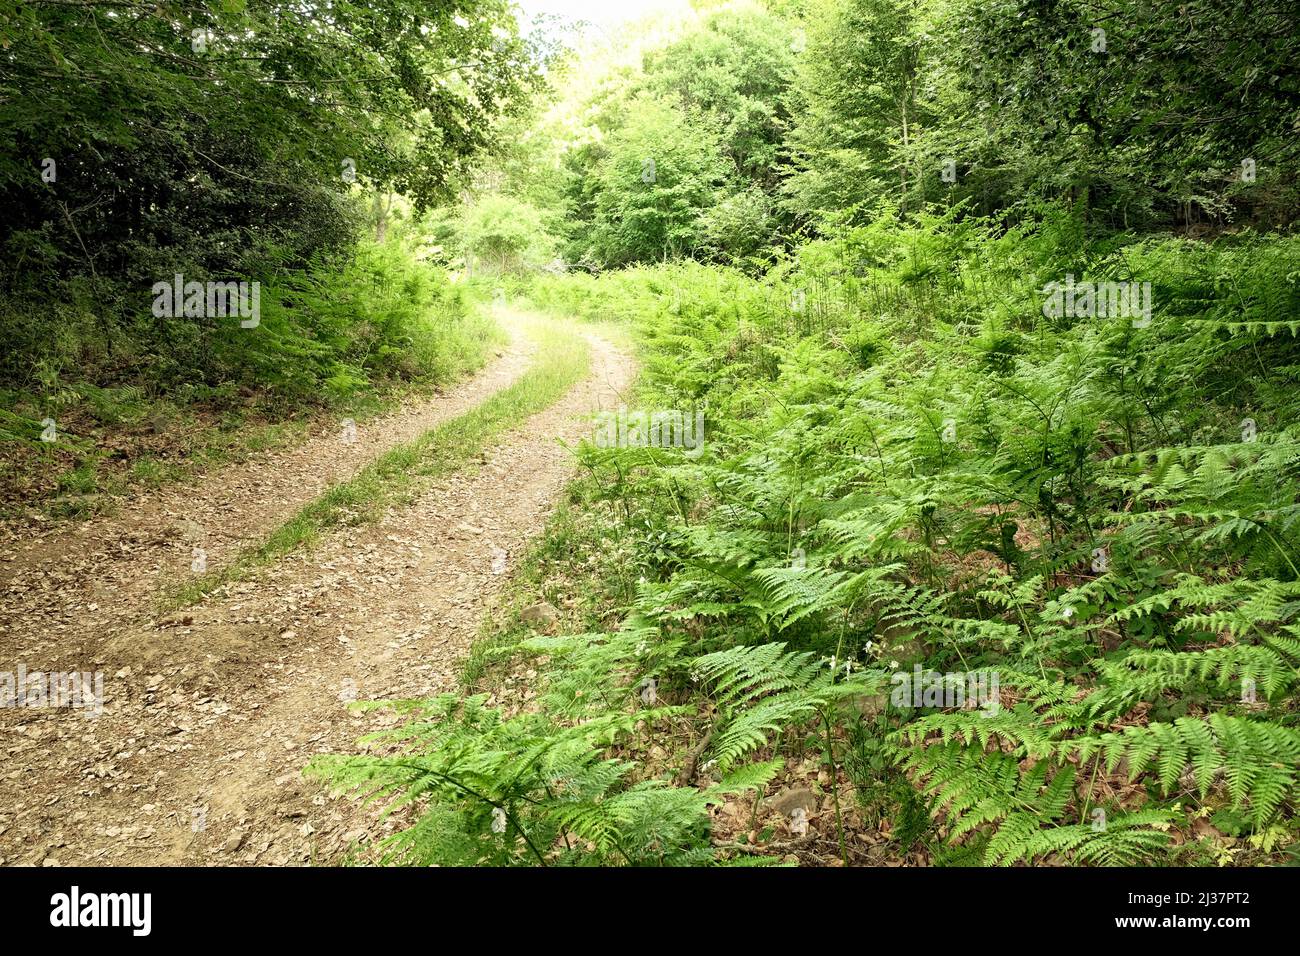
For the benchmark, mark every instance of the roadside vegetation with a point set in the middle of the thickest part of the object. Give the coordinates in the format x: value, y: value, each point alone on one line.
x: 988, y: 551
x: 145, y: 143
x: 991, y: 313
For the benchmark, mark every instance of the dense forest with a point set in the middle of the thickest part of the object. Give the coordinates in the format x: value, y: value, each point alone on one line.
x: 952, y: 517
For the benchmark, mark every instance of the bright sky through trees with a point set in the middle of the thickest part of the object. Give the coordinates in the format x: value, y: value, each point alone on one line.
x: 603, y: 13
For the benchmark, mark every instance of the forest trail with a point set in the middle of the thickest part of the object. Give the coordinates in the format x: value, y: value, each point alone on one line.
x: 211, y: 712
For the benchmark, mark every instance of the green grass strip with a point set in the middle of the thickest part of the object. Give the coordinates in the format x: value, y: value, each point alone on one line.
x: 563, y: 359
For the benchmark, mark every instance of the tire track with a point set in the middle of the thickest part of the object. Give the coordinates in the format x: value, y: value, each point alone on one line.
x: 197, y: 759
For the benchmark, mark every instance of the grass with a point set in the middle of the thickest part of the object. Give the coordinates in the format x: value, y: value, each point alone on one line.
x: 230, y: 443
x: 116, y: 439
x: 563, y: 359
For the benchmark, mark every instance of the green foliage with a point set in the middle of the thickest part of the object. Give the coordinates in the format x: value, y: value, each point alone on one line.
x: 910, y: 464
x: 657, y: 175
x: 961, y: 484
x: 504, y: 235
x: 510, y: 791
x: 1122, y: 113
x: 339, y: 326
x: 761, y: 690
x: 832, y: 111
x: 855, y: 106
x: 522, y: 790
x: 237, y: 141
x: 736, y: 69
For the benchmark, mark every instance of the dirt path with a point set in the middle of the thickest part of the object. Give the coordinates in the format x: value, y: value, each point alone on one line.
x: 67, y: 589
x: 211, y: 714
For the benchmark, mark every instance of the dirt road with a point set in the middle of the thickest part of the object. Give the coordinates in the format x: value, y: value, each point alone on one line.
x: 211, y: 712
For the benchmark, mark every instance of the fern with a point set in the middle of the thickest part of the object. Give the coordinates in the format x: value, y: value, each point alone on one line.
x: 760, y: 690
x: 520, y: 790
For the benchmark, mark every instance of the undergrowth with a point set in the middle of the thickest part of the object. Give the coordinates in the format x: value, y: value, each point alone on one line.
x: 911, y: 469
x: 340, y: 337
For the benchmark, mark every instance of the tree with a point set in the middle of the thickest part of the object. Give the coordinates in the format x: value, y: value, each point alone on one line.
x: 504, y: 234
x: 659, y: 173
x: 202, y: 127
x: 228, y: 139
x: 735, y: 69
x: 1135, y: 113
x: 856, y: 108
